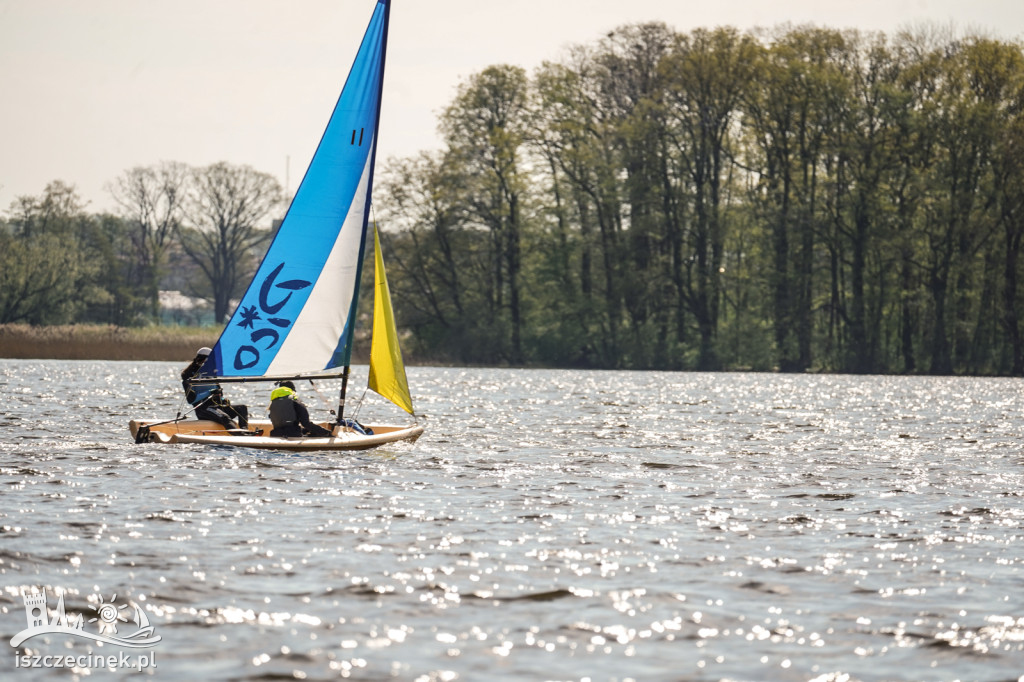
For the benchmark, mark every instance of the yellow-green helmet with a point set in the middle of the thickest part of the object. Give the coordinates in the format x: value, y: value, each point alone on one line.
x: 281, y: 392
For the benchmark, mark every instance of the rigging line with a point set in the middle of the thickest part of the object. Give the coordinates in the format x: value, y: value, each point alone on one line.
x: 179, y: 416
x: 323, y: 399
x: 193, y: 408
x: 362, y: 399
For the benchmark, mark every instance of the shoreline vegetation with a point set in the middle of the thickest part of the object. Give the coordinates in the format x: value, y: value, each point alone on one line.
x: 178, y: 343
x: 110, y: 342
x: 103, y: 342
x: 793, y: 200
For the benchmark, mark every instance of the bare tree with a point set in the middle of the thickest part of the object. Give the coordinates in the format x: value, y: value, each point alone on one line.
x: 151, y: 201
x: 225, y: 206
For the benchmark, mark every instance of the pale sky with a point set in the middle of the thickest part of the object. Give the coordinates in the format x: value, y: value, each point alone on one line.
x: 91, y: 88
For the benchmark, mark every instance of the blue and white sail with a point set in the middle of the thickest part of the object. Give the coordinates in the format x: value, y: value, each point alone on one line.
x: 298, y: 315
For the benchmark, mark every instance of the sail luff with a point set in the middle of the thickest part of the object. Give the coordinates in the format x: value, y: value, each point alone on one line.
x: 344, y: 358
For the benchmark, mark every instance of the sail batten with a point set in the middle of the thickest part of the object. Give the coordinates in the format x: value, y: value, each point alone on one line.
x: 298, y: 314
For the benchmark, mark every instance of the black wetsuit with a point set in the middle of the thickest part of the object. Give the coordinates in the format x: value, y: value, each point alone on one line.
x: 291, y: 419
x: 210, y: 404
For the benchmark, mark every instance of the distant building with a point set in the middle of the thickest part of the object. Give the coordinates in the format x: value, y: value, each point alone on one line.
x: 177, y: 308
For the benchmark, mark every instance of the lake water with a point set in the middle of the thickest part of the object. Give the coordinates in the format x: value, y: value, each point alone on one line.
x: 549, y: 525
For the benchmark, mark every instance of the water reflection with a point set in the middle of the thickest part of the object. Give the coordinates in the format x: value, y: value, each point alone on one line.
x: 549, y: 525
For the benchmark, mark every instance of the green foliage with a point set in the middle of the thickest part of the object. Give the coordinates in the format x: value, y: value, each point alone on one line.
x: 59, y: 264
x: 47, y: 274
x: 803, y: 200
x: 38, y: 279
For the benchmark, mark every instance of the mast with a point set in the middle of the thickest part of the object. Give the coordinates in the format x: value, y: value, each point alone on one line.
x: 366, y: 208
x: 341, y: 398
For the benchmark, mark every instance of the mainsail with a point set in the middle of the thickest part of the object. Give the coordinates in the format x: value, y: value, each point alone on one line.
x: 297, y: 317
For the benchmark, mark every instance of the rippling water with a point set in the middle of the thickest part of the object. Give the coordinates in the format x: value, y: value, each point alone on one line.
x: 549, y: 525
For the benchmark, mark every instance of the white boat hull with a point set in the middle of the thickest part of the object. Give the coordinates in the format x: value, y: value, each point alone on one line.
x: 212, y: 433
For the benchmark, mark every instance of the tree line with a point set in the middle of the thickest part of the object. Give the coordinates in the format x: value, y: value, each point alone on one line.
x: 198, y: 230
x: 801, y: 199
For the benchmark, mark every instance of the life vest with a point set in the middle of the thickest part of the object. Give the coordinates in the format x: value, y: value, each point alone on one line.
x: 282, y: 411
x: 196, y: 394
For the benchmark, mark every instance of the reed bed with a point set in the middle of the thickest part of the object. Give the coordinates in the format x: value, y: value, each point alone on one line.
x: 107, y: 342
x: 103, y: 342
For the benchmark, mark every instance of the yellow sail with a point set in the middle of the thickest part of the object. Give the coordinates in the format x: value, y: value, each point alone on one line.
x: 387, y: 371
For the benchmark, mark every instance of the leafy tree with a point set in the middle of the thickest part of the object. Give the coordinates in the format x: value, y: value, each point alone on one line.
x: 576, y: 135
x: 1008, y: 185
x: 629, y: 87
x: 45, y: 275
x: 867, y: 109
x: 485, y: 129
x: 431, y: 254
x: 804, y: 199
x: 707, y: 74
x: 38, y: 280
x: 954, y: 224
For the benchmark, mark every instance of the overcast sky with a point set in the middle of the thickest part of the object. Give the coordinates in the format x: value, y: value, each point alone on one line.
x: 91, y: 88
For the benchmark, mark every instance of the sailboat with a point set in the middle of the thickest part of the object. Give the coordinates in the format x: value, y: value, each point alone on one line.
x: 296, y: 321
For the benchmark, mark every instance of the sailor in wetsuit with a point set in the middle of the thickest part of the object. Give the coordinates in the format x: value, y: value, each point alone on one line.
x: 289, y: 416
x: 208, y: 399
